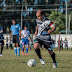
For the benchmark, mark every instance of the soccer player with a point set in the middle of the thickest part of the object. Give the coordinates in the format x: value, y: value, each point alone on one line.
x: 43, y: 36
x: 16, y: 33
x: 1, y: 41
x: 25, y: 39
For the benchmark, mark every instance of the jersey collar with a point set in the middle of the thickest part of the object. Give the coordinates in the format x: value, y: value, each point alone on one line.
x: 44, y: 18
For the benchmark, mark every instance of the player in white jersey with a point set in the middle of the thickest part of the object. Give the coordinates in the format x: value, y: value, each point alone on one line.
x: 25, y: 39
x: 43, y: 36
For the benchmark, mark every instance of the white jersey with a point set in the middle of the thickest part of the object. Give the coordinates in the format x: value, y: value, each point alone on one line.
x: 25, y: 33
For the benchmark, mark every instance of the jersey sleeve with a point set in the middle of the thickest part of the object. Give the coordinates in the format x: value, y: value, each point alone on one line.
x: 19, y: 27
x: 52, y: 24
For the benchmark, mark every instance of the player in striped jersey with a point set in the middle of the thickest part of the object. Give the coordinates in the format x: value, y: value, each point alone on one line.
x: 25, y: 39
x: 1, y: 41
x: 43, y: 36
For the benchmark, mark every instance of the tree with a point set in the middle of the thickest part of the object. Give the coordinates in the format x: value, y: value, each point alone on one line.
x: 59, y: 20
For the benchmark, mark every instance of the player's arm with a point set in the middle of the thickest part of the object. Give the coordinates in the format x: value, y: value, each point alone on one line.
x: 20, y: 32
x: 11, y: 33
x: 22, y: 36
x: 36, y: 30
x: 53, y: 28
x: 11, y: 30
x: 1, y: 30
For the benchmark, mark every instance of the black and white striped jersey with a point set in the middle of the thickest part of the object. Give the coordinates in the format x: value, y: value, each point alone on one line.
x: 44, y: 26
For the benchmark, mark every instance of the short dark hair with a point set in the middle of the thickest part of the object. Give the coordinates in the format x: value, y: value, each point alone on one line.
x: 42, y: 12
x: 13, y: 19
x: 25, y: 26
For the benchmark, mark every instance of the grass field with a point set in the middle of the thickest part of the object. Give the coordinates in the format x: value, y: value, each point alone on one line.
x: 10, y: 63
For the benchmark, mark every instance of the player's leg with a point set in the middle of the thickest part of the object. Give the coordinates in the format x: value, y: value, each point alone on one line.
x: 11, y: 46
x: 27, y: 46
x: 67, y: 47
x: 37, y: 50
x: 53, y: 58
x: 18, y: 45
x: 6, y: 46
x: 62, y: 47
x: 47, y: 45
x: 15, y: 48
x: 52, y: 54
x: 23, y: 49
x: 23, y: 45
x: 1, y: 47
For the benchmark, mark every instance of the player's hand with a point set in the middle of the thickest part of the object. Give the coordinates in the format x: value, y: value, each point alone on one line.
x: 19, y: 38
x: 49, y: 31
x: 35, y: 33
x: 23, y: 36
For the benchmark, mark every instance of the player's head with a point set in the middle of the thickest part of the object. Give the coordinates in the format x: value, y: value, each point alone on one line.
x: 40, y: 14
x: 25, y: 27
x: 14, y: 21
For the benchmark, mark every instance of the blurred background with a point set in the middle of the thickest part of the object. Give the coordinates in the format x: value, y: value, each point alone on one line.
x: 24, y: 11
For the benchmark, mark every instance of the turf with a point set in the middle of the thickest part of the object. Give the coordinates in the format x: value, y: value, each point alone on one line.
x: 11, y: 63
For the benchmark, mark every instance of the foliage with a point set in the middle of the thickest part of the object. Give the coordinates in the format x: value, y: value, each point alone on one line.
x: 59, y: 20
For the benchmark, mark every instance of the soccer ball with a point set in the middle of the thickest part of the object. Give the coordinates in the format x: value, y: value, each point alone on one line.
x: 31, y: 63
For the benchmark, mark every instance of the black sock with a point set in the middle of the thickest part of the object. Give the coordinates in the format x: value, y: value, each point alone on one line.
x: 38, y: 53
x: 53, y: 57
x: 1, y: 49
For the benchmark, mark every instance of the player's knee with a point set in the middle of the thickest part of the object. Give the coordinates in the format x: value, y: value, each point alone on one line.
x: 27, y: 46
x: 50, y: 52
x: 36, y: 46
x: 23, y: 46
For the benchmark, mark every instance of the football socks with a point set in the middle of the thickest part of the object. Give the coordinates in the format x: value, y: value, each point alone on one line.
x: 38, y: 53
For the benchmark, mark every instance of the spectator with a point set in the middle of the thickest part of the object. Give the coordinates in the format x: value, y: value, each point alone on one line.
x: 11, y: 41
x: 6, y: 42
x: 66, y: 43
x: 61, y: 44
x: 53, y: 43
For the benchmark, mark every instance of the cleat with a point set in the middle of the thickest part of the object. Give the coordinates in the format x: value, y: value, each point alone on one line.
x: 54, y: 65
x: 26, y: 54
x: 1, y: 55
x: 42, y: 61
x: 22, y: 53
x: 15, y: 55
x: 18, y: 55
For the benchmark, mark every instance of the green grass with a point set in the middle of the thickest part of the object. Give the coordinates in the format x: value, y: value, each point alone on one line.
x: 10, y: 63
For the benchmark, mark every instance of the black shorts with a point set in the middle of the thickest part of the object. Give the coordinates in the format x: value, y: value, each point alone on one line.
x: 15, y: 38
x: 1, y: 42
x: 47, y: 44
